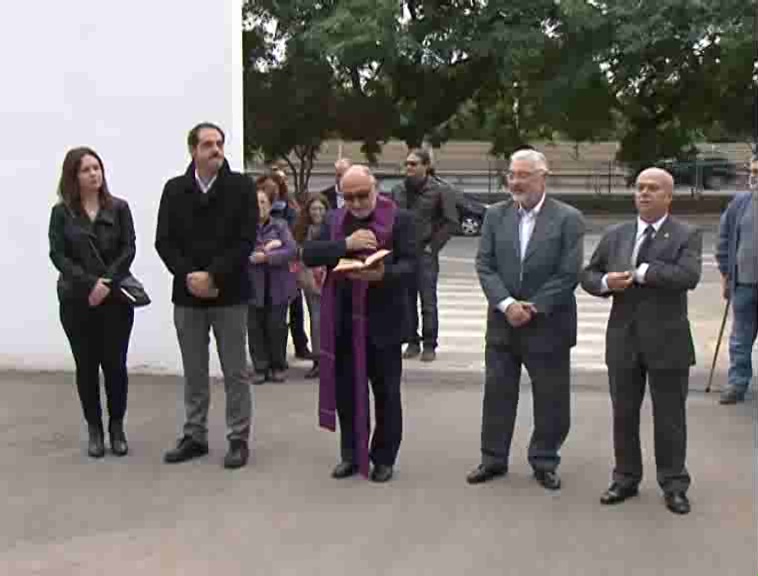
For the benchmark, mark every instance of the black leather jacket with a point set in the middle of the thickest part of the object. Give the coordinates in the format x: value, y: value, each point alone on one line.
x: 72, y: 253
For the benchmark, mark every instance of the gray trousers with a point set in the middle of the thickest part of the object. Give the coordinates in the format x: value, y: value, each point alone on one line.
x: 551, y: 399
x: 314, y: 310
x: 229, y: 324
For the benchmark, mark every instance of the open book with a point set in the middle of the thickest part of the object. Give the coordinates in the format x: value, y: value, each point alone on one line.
x: 353, y: 264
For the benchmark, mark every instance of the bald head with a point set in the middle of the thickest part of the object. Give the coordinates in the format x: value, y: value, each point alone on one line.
x: 359, y: 190
x: 655, y: 190
x: 665, y: 179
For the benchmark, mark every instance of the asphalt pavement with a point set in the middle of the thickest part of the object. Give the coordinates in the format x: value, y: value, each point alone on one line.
x: 65, y: 514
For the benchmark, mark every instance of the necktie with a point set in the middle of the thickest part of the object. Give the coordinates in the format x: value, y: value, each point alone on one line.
x: 643, y: 254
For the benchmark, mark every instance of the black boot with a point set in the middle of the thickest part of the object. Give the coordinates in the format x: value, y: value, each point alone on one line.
x: 96, y: 446
x: 119, y: 447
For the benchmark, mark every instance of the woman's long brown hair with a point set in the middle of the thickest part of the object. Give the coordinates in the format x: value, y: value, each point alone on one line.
x: 68, y: 187
x: 304, y: 221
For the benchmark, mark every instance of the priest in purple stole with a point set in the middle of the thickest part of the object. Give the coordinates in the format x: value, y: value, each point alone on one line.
x: 364, y: 322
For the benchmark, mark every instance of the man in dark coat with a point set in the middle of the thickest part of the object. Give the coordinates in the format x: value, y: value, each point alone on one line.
x: 206, y: 230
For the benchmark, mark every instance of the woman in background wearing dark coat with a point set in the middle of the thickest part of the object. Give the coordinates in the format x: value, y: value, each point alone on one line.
x: 92, y: 244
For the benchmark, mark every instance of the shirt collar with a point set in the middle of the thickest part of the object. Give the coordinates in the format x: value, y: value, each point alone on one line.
x: 642, y: 225
x: 203, y: 186
x: 534, y: 211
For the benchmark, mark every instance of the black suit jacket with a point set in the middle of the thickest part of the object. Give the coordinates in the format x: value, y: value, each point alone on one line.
x: 648, y: 322
x: 388, y: 305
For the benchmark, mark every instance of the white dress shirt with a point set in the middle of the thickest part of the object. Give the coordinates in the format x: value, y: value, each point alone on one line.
x: 641, y: 270
x: 203, y: 186
x: 527, y: 221
x: 339, y: 196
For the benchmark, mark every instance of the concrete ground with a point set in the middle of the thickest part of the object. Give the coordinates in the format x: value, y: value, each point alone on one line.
x: 65, y: 514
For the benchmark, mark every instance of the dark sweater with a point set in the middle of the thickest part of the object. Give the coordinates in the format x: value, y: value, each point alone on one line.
x: 212, y: 232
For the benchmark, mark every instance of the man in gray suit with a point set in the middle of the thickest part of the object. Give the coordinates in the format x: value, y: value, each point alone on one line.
x: 648, y: 266
x: 529, y: 260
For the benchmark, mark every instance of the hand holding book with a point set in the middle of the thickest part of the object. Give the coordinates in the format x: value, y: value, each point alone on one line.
x: 356, y: 265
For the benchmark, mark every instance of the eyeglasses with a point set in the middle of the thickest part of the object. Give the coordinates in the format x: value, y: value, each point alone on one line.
x: 357, y: 196
x: 510, y: 175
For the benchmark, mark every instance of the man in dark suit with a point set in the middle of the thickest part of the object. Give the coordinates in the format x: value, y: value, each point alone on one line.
x: 364, y: 321
x: 333, y: 194
x: 529, y: 260
x: 648, y: 266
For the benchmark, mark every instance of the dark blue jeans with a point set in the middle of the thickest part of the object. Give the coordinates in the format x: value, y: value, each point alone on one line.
x: 742, y: 338
x: 425, y: 286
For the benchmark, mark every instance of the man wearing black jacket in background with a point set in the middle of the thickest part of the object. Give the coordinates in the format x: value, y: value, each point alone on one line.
x: 432, y: 203
x: 206, y: 231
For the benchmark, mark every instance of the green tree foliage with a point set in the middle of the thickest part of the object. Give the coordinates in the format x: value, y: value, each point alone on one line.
x: 657, y: 75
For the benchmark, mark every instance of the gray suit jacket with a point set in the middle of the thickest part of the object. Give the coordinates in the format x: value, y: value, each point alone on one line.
x: 547, y: 276
x: 649, y: 321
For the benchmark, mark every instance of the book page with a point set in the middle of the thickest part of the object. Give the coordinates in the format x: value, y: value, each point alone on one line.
x: 376, y: 257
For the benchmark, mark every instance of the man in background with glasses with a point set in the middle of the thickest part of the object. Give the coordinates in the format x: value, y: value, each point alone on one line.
x: 737, y: 259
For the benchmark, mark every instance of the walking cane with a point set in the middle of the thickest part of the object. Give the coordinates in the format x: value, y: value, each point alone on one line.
x: 718, y: 345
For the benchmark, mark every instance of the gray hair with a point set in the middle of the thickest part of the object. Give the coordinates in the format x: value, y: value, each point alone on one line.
x: 536, y: 157
x: 346, y: 162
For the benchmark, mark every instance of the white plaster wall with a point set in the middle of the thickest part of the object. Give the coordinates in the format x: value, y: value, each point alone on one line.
x: 128, y: 79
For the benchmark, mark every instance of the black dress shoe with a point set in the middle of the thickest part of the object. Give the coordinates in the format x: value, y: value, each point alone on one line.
x: 237, y: 455
x: 278, y: 376
x: 617, y: 493
x: 344, y: 469
x: 96, y: 444
x: 677, y: 502
x: 484, y: 473
x: 186, y: 449
x: 428, y: 355
x: 381, y: 473
x: 411, y: 351
x: 303, y: 354
x: 313, y: 372
x: 548, y: 479
x: 119, y: 446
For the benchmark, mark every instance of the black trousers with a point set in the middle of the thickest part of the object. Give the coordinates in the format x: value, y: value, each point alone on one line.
x: 551, y: 397
x: 99, y: 338
x: 297, y: 323
x: 668, y: 389
x: 384, y: 367
x: 267, y: 337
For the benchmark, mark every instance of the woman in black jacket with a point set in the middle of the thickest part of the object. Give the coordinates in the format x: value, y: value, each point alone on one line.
x: 92, y: 244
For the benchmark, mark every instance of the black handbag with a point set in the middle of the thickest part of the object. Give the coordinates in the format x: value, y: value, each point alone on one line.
x: 128, y: 288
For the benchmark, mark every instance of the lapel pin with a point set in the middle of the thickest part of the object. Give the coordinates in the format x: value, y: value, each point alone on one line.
x: 666, y: 235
